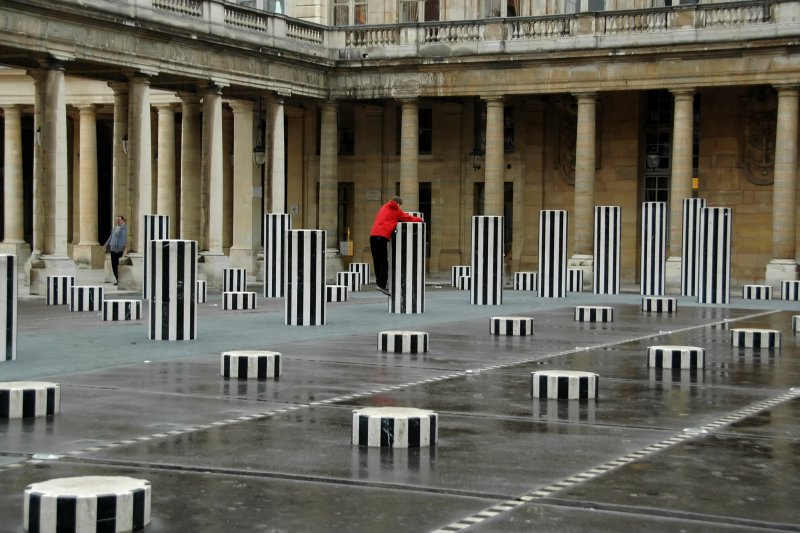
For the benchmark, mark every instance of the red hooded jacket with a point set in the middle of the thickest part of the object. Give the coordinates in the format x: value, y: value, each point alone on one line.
x: 387, y: 218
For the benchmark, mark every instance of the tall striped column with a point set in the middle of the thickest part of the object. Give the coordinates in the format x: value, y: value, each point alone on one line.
x: 275, y: 227
x: 714, y: 256
x: 156, y: 227
x: 691, y: 236
x: 607, y: 227
x: 552, y: 253
x: 305, y: 277
x: 173, y: 282
x: 8, y: 307
x: 408, y: 269
x: 487, y: 260
x: 653, y: 258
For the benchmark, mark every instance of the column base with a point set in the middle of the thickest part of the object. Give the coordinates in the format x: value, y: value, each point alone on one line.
x: 333, y: 263
x: 779, y: 270
x: 672, y: 275
x: 244, y: 258
x: 584, y: 262
x: 88, y: 255
x: 21, y: 249
x: 210, y: 266
x: 48, y: 265
x: 131, y: 272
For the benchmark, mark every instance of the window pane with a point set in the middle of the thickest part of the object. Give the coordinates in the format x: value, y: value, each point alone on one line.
x: 597, y: 5
x: 491, y: 8
x: 360, y: 14
x: 431, y: 10
x: 341, y: 14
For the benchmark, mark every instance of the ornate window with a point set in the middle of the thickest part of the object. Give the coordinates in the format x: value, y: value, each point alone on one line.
x: 578, y: 6
x: 349, y: 12
x: 418, y: 10
x: 501, y: 8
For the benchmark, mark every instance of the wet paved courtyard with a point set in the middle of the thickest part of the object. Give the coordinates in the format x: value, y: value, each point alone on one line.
x: 711, y: 450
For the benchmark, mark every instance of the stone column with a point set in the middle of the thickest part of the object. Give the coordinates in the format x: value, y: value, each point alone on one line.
x: 278, y: 159
x: 88, y: 252
x: 245, y: 180
x: 121, y: 204
x: 54, y: 131
x: 140, y: 159
x: 165, y: 199
x: 493, y: 199
x: 783, y: 265
x: 328, y: 184
x: 584, y: 174
x: 190, y: 167
x: 680, y: 181
x: 39, y: 195
x: 409, y: 155
x: 13, y: 222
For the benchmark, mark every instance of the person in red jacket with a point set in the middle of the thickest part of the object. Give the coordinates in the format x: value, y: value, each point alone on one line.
x: 385, y: 222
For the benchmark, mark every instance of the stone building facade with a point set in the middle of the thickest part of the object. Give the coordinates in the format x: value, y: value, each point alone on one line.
x: 497, y: 108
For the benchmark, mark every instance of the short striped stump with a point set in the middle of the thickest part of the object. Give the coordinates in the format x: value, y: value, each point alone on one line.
x: 790, y: 290
x: 525, y: 281
x: 361, y: 268
x: 336, y: 293
x: 464, y: 283
x: 755, y: 338
x: 29, y: 399
x: 564, y: 385
x: 395, y: 427
x: 237, y: 301
x: 59, y: 289
x: 594, y: 313
x: 86, y: 298
x: 511, y: 325
x: 351, y: 280
x: 201, y: 296
x: 403, y: 341
x: 574, y: 280
x: 680, y: 357
x: 756, y: 292
x: 118, y: 310
x: 659, y: 304
x: 234, y: 279
x: 250, y: 364
x: 458, y: 271
x: 87, y: 504
x: 796, y: 323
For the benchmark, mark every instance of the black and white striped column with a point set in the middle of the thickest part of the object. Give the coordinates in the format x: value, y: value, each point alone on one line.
x: 87, y: 504
x: 352, y: 280
x: 234, y: 280
x: 757, y: 292
x: 305, y: 277
x: 464, y: 283
x: 201, y: 296
x: 574, y: 280
x: 395, y: 427
x: 755, y: 338
x: 403, y: 341
x: 796, y: 323
x: 238, y: 300
x: 690, y: 245
x: 714, y: 256
x: 458, y: 271
x: 86, y: 298
x: 654, y: 239
x: 275, y: 227
x: 251, y: 364
x: 552, y: 253
x: 525, y: 281
x: 607, y: 227
x: 408, y: 269
x: 8, y: 307
x: 564, y: 384
x: 156, y: 228
x: 173, y: 278
x: 59, y: 289
x: 511, y: 325
x: 487, y: 261
x: 29, y: 399
x: 594, y: 313
x: 790, y: 290
x: 336, y: 293
x: 122, y: 310
x: 659, y: 304
x: 678, y: 357
x: 363, y: 269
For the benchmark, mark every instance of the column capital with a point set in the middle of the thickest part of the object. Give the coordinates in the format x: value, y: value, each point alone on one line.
x: 329, y: 104
x: 786, y: 87
x: 118, y: 87
x: 189, y: 97
x: 682, y: 94
x: 51, y: 63
x: 164, y: 106
x: 493, y: 100
x: 84, y: 108
x: 139, y: 77
x: 408, y: 100
x: 241, y: 106
x: 12, y: 108
x: 585, y: 95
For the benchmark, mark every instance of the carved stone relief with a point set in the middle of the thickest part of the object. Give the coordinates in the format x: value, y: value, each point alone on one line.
x: 757, y: 145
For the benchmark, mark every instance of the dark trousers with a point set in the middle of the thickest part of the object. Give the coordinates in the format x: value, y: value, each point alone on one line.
x: 115, y: 264
x: 380, y: 259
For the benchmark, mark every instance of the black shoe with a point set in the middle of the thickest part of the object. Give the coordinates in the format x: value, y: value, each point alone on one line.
x: 115, y: 284
x: 384, y: 290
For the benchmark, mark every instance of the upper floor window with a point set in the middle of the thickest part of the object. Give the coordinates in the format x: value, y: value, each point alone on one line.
x: 271, y: 6
x: 579, y: 6
x: 668, y: 3
x: 418, y: 10
x: 349, y: 12
x: 501, y: 8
